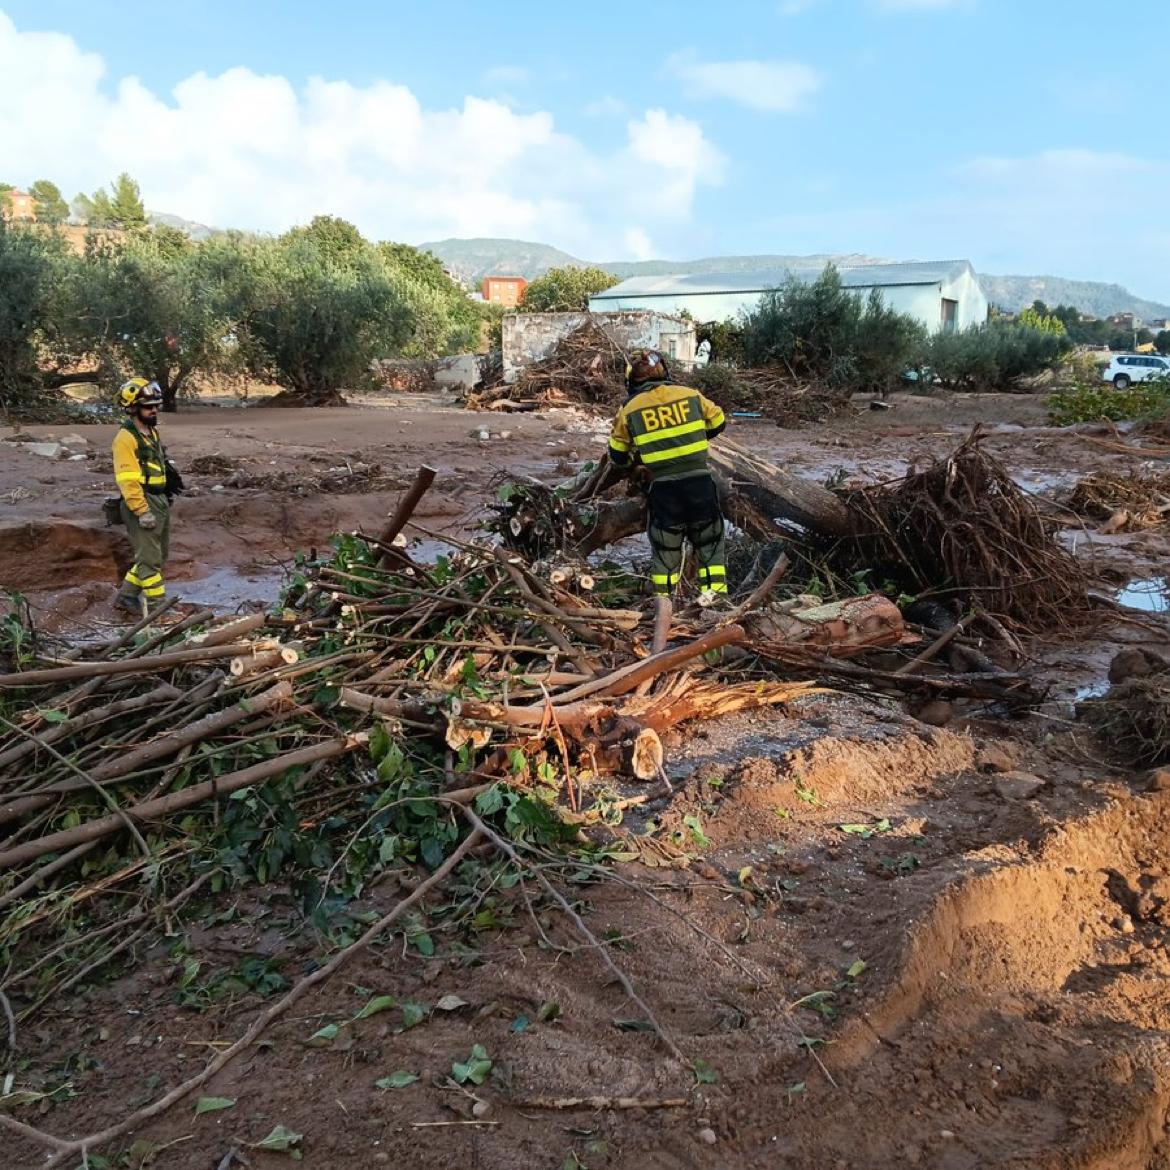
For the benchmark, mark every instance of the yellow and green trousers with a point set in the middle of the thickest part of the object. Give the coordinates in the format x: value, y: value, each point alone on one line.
x: 150, y: 547
x: 686, y: 511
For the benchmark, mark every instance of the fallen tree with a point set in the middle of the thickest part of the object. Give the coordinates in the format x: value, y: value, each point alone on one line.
x: 960, y: 528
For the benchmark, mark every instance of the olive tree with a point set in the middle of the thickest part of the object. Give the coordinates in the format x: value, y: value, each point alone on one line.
x: 565, y: 290
x: 30, y: 265
x: 821, y: 331
x: 158, y: 306
x: 318, y: 320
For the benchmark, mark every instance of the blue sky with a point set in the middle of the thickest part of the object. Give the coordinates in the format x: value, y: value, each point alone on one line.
x: 1026, y: 135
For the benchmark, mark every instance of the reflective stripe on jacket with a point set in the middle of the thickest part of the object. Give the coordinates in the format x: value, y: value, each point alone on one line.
x: 139, y: 466
x: 667, y: 427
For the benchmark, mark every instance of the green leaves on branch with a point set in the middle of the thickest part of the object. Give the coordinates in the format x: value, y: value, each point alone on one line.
x: 565, y: 290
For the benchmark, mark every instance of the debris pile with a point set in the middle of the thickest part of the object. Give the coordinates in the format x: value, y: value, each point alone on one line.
x: 962, y: 528
x: 1123, y: 503
x: 380, y: 685
x: 772, y: 392
x: 587, y: 367
x: 1132, y: 720
x: 353, y: 477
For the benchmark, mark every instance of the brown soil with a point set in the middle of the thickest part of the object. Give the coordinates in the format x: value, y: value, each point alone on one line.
x: 1012, y: 1008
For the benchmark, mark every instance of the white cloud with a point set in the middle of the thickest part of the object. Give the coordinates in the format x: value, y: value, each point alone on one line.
x: 776, y: 86
x: 638, y: 244
x: 241, y: 149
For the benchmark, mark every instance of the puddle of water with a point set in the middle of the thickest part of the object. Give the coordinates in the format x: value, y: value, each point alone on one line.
x: 426, y: 551
x: 227, y: 588
x: 1151, y: 594
x: 1041, y: 483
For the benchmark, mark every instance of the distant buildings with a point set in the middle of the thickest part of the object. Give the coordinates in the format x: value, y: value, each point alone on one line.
x: 504, y: 290
x: 18, y: 206
x: 944, y: 295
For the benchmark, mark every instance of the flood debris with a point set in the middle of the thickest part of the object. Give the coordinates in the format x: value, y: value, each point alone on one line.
x: 1122, y: 503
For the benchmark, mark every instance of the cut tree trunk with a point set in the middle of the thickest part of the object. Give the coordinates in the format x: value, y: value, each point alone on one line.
x: 777, y: 493
x: 753, y: 493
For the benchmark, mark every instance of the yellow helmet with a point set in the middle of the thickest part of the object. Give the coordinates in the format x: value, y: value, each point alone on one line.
x: 139, y: 392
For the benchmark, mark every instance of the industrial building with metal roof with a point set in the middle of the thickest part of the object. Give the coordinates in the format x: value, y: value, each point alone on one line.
x: 944, y: 294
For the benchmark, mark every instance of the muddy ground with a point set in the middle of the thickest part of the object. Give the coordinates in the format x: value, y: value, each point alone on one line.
x: 978, y: 980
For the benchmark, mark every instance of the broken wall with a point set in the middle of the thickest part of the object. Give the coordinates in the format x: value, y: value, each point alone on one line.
x: 531, y: 337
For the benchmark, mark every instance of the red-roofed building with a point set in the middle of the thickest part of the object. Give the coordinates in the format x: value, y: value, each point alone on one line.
x: 504, y: 290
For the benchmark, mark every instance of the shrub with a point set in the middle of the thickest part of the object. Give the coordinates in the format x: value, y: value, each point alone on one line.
x: 565, y: 290
x: 993, y: 356
x: 29, y: 262
x: 822, y: 332
x: 1098, y: 401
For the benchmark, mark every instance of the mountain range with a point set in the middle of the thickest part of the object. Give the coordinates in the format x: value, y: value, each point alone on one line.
x: 472, y: 260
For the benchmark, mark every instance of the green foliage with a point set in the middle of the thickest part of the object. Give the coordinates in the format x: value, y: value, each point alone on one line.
x: 17, y: 635
x: 994, y: 356
x: 1162, y: 341
x: 321, y: 313
x: 565, y: 290
x: 474, y: 1069
x: 822, y: 332
x: 1097, y: 401
x: 155, y: 305
x: 726, y: 338
x: 51, y: 205
x: 120, y: 207
x: 30, y: 263
x: 1037, y: 319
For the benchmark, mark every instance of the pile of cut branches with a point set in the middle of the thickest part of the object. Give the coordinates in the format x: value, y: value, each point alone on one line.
x: 586, y: 368
x: 303, y: 741
x: 1132, y: 720
x: 773, y: 392
x: 962, y: 528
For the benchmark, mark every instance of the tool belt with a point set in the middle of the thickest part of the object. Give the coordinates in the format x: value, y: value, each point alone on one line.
x: 112, y: 510
x: 174, y: 485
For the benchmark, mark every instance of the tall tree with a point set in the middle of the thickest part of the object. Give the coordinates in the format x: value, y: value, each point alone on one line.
x: 565, y: 290
x: 51, y: 205
x: 94, y: 210
x: 336, y: 240
x: 121, y: 207
x: 126, y: 203
x: 320, y: 317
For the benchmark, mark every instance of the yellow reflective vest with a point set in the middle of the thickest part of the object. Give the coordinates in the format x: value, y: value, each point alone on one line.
x: 139, y: 466
x: 667, y: 427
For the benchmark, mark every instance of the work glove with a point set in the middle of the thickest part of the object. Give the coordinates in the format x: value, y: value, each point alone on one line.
x: 148, y: 520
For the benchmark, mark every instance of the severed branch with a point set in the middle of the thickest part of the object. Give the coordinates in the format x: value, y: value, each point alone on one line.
x: 508, y: 850
x: 71, y: 1148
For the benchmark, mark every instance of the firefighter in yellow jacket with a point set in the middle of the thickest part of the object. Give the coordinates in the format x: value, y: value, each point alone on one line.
x: 140, y: 469
x: 667, y: 428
